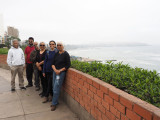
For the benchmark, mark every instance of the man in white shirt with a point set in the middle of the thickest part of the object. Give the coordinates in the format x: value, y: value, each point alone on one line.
x: 16, y: 61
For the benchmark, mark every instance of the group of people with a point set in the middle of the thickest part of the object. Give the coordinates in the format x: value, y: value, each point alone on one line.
x: 49, y: 67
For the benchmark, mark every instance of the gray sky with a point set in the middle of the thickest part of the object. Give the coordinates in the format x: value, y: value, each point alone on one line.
x: 84, y: 21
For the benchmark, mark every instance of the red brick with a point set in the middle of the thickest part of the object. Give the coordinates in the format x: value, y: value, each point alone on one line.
x: 84, y: 78
x: 113, y: 95
x: 81, y: 103
x: 126, y: 103
x: 85, y: 90
x: 104, y: 117
x: 76, y: 79
x: 110, y: 115
x: 115, y: 112
x: 99, y: 114
x: 81, y: 82
x: 142, y: 112
x: 98, y: 99
x: 79, y: 75
x: 131, y: 115
x: 77, y: 99
x: 108, y: 99
x: 105, y: 105
x: 104, y: 89
x: 90, y: 93
x: 95, y: 103
x: 123, y: 117
x: 87, y: 108
x: 100, y: 93
x: 101, y: 108
x: 96, y: 85
x: 119, y: 106
x: 79, y: 86
x: 89, y: 81
x: 74, y: 82
x: 93, y: 113
x: 93, y: 89
x: 86, y: 85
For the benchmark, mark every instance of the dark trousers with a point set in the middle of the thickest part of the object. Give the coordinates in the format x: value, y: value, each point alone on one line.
x: 43, y: 83
x: 36, y: 75
x: 29, y: 73
x: 49, y: 77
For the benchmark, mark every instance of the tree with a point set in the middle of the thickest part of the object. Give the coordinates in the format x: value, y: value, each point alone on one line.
x: 9, y: 39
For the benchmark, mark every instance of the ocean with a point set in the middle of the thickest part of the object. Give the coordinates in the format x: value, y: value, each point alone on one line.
x: 147, y: 57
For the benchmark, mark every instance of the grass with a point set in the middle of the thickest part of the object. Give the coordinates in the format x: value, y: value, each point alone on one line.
x: 3, y: 50
x: 139, y: 82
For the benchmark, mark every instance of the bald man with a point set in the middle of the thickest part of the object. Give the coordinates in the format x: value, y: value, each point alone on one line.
x: 33, y: 60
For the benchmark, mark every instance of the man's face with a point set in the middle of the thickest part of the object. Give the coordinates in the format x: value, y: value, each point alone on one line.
x: 35, y: 45
x: 15, y: 44
x: 30, y: 42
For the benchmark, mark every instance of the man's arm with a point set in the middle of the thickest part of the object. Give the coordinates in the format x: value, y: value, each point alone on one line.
x: 9, y: 58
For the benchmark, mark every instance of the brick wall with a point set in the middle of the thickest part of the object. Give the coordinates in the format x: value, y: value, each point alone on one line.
x: 105, y: 102
x: 3, y: 59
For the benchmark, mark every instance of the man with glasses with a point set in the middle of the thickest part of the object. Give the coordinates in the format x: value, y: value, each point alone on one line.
x: 29, y: 65
x: 35, y: 69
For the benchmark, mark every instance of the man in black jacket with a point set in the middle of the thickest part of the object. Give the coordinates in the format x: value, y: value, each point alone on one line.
x: 33, y: 59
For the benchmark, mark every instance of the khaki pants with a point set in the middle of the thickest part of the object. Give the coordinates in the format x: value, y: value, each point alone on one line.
x: 14, y: 70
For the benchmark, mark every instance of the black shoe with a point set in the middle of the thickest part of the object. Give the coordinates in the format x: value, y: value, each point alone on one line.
x: 22, y: 88
x: 12, y: 89
x: 29, y: 86
x: 40, y: 94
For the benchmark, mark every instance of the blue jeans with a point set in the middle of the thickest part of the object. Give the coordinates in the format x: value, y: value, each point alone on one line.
x: 57, y: 84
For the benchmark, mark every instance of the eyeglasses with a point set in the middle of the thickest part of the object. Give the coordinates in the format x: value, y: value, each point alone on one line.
x: 51, y: 44
x: 42, y: 45
x: 59, y: 45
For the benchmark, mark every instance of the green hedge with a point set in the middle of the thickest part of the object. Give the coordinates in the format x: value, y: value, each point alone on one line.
x: 3, y: 50
x: 139, y: 82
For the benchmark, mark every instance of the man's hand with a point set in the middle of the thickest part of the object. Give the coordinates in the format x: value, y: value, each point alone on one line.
x: 44, y: 75
x: 57, y: 72
x: 39, y: 68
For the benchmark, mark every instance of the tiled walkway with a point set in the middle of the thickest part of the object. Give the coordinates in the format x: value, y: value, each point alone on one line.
x: 27, y: 104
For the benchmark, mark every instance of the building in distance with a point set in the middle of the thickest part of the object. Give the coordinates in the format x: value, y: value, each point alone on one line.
x: 13, y: 32
x: 1, y: 30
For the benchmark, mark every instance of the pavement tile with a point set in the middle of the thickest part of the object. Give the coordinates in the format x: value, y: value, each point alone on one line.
x: 10, y: 109
x: 15, y: 118
x: 52, y: 115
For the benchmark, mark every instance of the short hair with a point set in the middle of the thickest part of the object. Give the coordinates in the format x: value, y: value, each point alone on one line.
x: 52, y: 41
x: 60, y: 43
x: 42, y: 42
x: 31, y: 38
x: 14, y: 40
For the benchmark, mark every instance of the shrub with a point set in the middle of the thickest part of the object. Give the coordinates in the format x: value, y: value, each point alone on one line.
x: 139, y: 82
x: 3, y: 50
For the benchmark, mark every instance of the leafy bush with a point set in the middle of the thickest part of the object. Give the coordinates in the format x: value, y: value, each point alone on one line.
x: 3, y: 50
x: 139, y: 82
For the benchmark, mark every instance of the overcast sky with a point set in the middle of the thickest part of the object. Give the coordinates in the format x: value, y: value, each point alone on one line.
x: 84, y: 21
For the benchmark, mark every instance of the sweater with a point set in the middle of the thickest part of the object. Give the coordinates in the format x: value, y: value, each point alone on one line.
x: 15, y: 57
